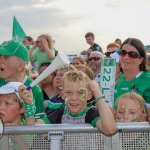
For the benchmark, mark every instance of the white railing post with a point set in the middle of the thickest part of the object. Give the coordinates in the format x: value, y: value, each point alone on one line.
x: 4, y: 142
x: 55, y: 137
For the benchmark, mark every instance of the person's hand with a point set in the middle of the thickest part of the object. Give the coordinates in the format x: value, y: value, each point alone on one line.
x: 25, y: 95
x: 44, y: 42
x: 94, y: 88
x: 35, y: 44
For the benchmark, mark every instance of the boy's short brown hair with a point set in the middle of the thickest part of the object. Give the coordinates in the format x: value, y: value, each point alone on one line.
x: 75, y: 76
x: 89, y: 34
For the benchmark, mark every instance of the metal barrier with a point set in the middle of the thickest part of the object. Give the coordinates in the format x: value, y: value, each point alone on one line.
x: 130, y: 136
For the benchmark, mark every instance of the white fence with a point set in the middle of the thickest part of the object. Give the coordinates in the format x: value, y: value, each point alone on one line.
x: 130, y: 136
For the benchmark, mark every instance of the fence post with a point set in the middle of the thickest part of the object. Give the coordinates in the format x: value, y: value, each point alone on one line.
x: 4, y: 142
x: 55, y: 137
x: 116, y: 145
x: 107, y: 140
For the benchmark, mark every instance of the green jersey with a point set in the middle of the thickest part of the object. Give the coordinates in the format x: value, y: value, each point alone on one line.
x: 139, y: 84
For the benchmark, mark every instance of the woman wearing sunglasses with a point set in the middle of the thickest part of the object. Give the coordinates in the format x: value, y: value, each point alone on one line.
x: 135, y: 77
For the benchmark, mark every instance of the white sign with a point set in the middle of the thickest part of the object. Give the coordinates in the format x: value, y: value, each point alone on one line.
x: 107, y: 84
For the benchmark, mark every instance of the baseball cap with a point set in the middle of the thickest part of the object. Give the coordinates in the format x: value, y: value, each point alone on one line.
x: 14, y: 48
x: 10, y: 87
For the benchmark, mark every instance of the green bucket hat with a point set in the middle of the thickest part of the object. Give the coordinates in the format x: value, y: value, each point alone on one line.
x: 14, y: 48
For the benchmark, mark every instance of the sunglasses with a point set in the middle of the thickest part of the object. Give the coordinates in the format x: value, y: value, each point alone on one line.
x: 131, y: 54
x: 94, y: 58
x: 109, y: 53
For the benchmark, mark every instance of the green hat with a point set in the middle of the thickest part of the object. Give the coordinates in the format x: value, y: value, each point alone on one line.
x: 14, y: 48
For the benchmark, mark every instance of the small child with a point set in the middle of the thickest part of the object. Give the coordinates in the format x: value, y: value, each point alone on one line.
x: 11, y: 106
x: 45, y: 51
x: 77, y: 89
x: 12, y: 113
x: 130, y: 107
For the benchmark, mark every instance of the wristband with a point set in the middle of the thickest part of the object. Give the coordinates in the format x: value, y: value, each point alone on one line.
x: 96, y: 100
x: 29, y: 110
x: 99, y: 98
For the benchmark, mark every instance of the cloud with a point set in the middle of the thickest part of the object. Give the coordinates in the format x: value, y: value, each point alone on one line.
x: 68, y: 20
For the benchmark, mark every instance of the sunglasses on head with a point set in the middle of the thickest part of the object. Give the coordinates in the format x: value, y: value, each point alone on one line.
x: 131, y: 54
x: 94, y: 58
x: 109, y: 53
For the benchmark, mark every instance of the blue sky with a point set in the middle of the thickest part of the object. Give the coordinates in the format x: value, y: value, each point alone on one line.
x: 67, y: 21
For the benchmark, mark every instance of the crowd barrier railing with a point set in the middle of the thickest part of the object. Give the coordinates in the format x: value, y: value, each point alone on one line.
x: 129, y: 136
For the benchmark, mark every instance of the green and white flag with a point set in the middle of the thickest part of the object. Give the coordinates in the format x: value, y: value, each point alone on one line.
x: 17, y: 32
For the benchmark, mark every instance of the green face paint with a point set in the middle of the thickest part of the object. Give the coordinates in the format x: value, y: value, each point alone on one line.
x: 124, y: 107
x: 84, y: 96
x: 135, y: 119
x: 66, y: 99
x: 118, y: 118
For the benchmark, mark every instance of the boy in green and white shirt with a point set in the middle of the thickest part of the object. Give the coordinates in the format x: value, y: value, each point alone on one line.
x: 77, y: 89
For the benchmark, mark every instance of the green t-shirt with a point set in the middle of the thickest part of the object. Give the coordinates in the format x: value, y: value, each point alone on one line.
x: 37, y: 95
x: 139, y: 84
x: 41, y: 57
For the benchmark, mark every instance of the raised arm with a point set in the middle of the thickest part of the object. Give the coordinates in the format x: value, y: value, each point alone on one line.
x: 47, y: 49
x: 106, y: 124
x: 29, y: 106
x: 31, y: 50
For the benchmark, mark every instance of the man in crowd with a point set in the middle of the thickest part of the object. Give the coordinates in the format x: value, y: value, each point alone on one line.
x: 95, y: 59
x: 14, y: 58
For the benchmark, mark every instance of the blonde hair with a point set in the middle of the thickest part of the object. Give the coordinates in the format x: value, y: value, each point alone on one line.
x: 48, y: 39
x: 134, y: 97
x: 66, y: 68
x: 75, y: 76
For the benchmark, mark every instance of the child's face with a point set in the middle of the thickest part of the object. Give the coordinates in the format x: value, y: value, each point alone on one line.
x: 76, y: 99
x: 39, y: 43
x: 129, y: 111
x: 10, y: 110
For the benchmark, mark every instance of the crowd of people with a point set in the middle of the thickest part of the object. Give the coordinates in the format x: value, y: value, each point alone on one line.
x: 72, y: 93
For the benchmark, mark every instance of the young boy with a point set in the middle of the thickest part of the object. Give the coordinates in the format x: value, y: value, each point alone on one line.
x: 77, y: 88
x: 11, y: 107
x: 12, y: 112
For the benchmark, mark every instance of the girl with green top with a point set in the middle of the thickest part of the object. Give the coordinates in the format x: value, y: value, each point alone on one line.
x: 42, y: 50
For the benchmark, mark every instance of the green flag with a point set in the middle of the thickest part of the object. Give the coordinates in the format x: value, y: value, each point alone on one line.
x: 17, y: 32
